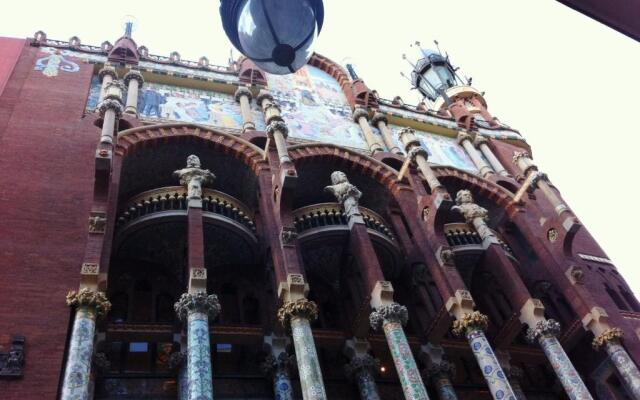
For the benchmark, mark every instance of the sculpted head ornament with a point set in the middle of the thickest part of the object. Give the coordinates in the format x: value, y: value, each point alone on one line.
x: 464, y: 197
x: 338, y: 177
x: 193, y: 161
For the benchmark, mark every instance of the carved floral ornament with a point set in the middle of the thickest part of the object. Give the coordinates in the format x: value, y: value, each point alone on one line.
x: 443, y: 368
x: 390, y: 313
x: 272, y: 364
x: 552, y: 235
x: 470, y: 322
x: 88, y: 298
x: 301, y: 308
x: 198, y: 302
x: 362, y: 363
x: 110, y: 104
x: 543, y: 329
x: 608, y: 336
x: 518, y: 155
x: 107, y: 70
x: 133, y: 75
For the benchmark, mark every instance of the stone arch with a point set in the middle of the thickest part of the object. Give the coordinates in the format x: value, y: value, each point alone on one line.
x: 479, y: 186
x: 336, y: 71
x: 131, y: 140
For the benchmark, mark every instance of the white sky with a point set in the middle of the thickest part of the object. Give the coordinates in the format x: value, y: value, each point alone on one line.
x: 565, y: 81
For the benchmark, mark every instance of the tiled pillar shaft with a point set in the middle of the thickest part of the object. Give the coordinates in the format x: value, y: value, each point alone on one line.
x: 367, y: 386
x: 444, y: 388
x: 277, y: 367
x: 545, y: 334
x: 178, y: 364
x: 419, y: 155
x: 361, y: 369
x: 628, y: 370
x: 133, y: 79
x: 243, y: 96
x: 361, y: 117
x: 439, y: 372
x: 89, y: 306
x: 380, y: 121
x: 297, y: 314
x: 195, y: 309
x: 472, y: 325
x: 481, y: 143
x: 107, y: 75
x: 391, y: 318
x: 465, y: 141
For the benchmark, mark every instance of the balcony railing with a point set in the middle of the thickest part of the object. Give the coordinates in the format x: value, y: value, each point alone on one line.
x: 174, y: 198
x: 331, y: 214
x: 461, y: 234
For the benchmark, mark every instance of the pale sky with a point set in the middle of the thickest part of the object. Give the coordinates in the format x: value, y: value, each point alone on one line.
x: 565, y: 81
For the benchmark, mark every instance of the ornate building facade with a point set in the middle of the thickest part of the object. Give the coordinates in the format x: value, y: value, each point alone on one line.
x: 219, y: 232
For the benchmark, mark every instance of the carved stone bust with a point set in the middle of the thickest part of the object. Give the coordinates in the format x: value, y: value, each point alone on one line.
x: 347, y: 194
x: 194, y: 177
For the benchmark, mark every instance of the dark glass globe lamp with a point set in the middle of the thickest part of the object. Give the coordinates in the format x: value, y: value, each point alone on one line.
x: 433, y: 75
x: 278, y: 35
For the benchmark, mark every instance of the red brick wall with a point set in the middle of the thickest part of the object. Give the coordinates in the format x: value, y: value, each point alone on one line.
x: 46, y: 155
x: 9, y: 51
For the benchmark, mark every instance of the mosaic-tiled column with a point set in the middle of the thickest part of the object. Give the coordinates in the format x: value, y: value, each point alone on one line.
x: 545, y: 334
x: 391, y: 319
x: 178, y: 364
x: 611, y: 341
x: 515, y: 375
x: 90, y: 306
x: 298, y: 314
x: 472, y: 326
x: 134, y: 81
x: 362, y: 369
x: 440, y: 375
x: 243, y: 96
x: 196, y: 309
x: 278, y: 369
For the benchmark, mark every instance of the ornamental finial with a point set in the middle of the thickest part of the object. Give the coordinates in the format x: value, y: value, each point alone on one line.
x: 301, y: 308
x: 390, y: 313
x: 198, y: 302
x: 608, y: 336
x: 88, y: 298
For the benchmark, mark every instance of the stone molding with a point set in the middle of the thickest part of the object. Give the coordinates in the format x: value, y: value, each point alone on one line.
x: 277, y: 126
x: 390, y: 313
x: 107, y: 70
x: 301, y: 308
x: 198, y: 302
x: 243, y: 91
x: 377, y: 118
x: 262, y: 96
x: 609, y: 336
x: 360, y: 113
x: 469, y: 322
x: 110, y: 104
x: 133, y: 75
x: 88, y: 298
x: 518, y: 155
x: 543, y: 329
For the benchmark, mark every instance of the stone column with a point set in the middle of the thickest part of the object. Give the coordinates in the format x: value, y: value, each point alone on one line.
x: 545, y: 333
x: 466, y: 141
x: 107, y: 75
x: 362, y: 368
x: 523, y: 161
x: 391, y: 319
x: 610, y: 339
x: 472, y: 326
x: 481, y: 143
x: 439, y: 371
x: 110, y: 110
x: 277, y: 129
x: 195, y: 309
x: 361, y: 117
x: 134, y: 81
x: 243, y: 96
x: 90, y: 305
x: 297, y: 315
x: 379, y: 120
x: 277, y: 366
x: 419, y: 155
x: 178, y: 364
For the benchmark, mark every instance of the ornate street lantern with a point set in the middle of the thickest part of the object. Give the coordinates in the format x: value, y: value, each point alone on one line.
x: 278, y: 35
x: 433, y: 75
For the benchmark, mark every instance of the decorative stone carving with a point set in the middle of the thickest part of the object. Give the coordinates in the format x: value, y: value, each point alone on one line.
x: 347, y: 194
x: 199, y: 273
x: 133, y: 75
x: 264, y: 96
x: 425, y: 213
x: 272, y: 364
x: 609, y: 336
x: 468, y: 209
x: 462, y: 136
x: 198, y: 302
x: 89, y: 269
x: 443, y: 368
x: 448, y: 257
x: 470, y: 322
x: 107, y: 70
x: 288, y: 236
x: 194, y: 177
x: 177, y: 361
x: 360, y: 113
x: 546, y: 328
x: 277, y: 126
x: 575, y: 274
x: 110, y: 104
x: 517, y: 155
x: 552, y: 235
x: 301, y: 308
x: 377, y: 118
x: 480, y: 140
x: 537, y: 177
x: 113, y: 90
x: 362, y: 362
x: 417, y: 150
x: 243, y: 91
x: 97, y: 222
x: 12, y: 362
x: 390, y: 313
x: 88, y: 298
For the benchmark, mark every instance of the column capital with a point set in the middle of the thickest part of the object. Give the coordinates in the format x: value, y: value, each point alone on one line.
x: 89, y: 298
x: 279, y: 126
x: 543, y: 329
x: 198, y: 302
x: 133, y: 75
x: 444, y: 368
x: 518, y: 155
x: 272, y: 113
x: 470, y: 322
x: 243, y: 91
x: 379, y: 117
x: 263, y: 96
x: 273, y: 364
x: 361, y: 362
x: 107, y: 70
x: 611, y: 335
x: 408, y: 137
x: 480, y: 140
x: 389, y: 313
x: 360, y: 112
x: 113, y: 90
x: 301, y: 308
x: 417, y: 150
x: 177, y: 361
x: 462, y: 136
x: 110, y: 104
